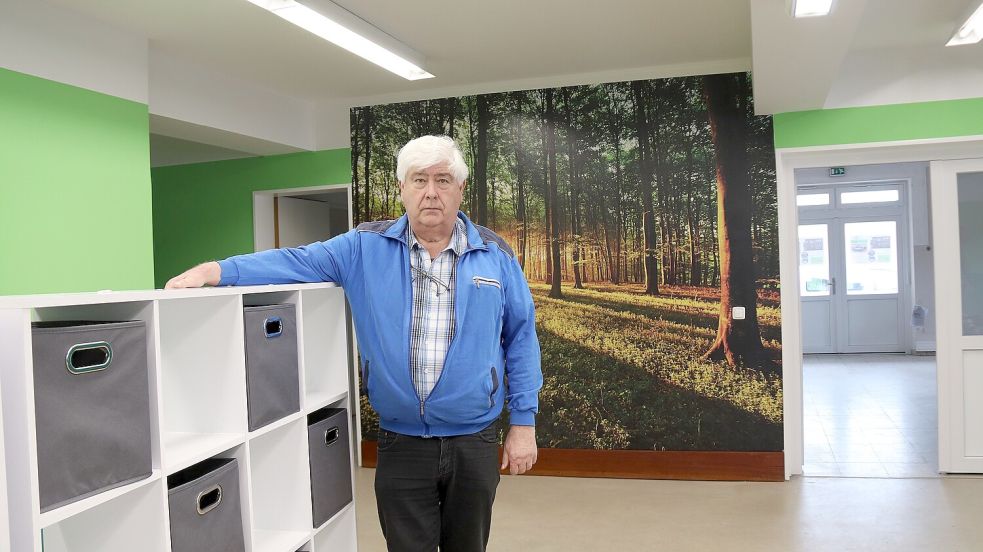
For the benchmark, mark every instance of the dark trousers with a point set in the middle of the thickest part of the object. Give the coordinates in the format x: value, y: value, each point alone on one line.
x: 437, y: 491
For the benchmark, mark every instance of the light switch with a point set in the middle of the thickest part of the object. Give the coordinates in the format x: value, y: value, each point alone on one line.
x: 738, y: 313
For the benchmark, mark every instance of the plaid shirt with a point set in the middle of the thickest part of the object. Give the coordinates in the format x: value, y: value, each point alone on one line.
x: 432, y: 324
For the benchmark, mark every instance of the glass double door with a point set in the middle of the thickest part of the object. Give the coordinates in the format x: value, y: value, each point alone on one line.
x: 850, y: 278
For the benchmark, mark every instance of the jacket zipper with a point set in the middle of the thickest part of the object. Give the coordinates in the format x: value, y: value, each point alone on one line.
x: 457, y: 328
x: 409, y: 343
x: 478, y: 280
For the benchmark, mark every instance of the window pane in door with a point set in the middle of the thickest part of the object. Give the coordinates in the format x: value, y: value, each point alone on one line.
x: 871, y: 196
x: 813, y: 260
x: 971, y: 250
x: 871, y: 257
x: 811, y: 200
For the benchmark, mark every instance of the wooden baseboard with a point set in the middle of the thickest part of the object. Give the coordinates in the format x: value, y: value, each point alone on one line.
x: 644, y: 464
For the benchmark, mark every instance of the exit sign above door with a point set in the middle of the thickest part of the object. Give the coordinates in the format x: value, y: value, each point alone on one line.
x: 837, y: 171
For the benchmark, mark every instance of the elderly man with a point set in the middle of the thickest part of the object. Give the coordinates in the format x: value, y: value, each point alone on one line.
x: 443, y: 314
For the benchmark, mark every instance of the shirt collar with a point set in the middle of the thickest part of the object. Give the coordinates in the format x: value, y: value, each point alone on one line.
x: 458, y: 243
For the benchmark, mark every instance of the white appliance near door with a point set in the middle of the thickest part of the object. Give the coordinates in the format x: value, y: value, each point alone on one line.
x: 853, y: 271
x: 957, y: 222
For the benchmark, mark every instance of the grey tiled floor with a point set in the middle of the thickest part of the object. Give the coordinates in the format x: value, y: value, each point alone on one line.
x: 806, y: 514
x: 870, y: 416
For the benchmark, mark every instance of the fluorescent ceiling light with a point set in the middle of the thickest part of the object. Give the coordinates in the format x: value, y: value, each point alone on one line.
x: 971, y: 31
x: 341, y: 27
x: 809, y: 8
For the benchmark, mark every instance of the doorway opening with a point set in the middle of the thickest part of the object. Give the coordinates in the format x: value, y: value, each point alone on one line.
x: 866, y: 294
x: 300, y: 216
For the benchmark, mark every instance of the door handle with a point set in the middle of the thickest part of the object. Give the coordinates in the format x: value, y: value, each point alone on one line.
x: 831, y: 284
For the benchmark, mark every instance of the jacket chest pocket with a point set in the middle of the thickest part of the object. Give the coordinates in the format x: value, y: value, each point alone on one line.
x: 485, y: 305
x: 487, y: 298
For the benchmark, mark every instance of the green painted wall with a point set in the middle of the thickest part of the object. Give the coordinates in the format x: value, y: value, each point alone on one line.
x: 858, y: 125
x: 74, y: 189
x: 204, y: 211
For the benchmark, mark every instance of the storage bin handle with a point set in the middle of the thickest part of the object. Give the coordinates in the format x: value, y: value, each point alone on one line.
x: 84, y: 358
x: 331, y: 436
x: 273, y: 326
x: 209, y: 499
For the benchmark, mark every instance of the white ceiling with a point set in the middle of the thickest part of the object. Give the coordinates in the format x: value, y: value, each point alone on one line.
x: 465, y: 42
x: 866, y: 52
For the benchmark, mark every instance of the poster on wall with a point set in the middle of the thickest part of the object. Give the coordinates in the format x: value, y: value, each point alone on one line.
x: 642, y: 213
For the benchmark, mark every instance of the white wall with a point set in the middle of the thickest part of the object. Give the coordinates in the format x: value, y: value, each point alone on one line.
x: 333, y: 120
x: 63, y: 46
x: 303, y: 221
x: 186, y: 101
x: 642, y: 73
x: 920, y: 228
x: 183, y: 91
x: 906, y: 75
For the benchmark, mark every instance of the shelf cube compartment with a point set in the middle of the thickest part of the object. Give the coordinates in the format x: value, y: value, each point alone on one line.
x: 92, y: 408
x: 330, y: 460
x: 134, y: 521
x: 204, y: 508
x: 339, y: 535
x: 272, y: 369
x: 325, y: 346
x: 202, y: 378
x: 280, y: 484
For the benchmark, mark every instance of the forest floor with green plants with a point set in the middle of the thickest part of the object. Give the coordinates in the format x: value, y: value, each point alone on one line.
x: 624, y: 370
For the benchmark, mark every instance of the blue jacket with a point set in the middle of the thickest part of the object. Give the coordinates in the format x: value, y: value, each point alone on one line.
x: 495, y: 332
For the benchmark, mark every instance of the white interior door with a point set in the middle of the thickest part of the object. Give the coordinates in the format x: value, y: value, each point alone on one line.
x: 852, y: 279
x: 957, y: 221
x: 869, y: 301
x: 816, y: 287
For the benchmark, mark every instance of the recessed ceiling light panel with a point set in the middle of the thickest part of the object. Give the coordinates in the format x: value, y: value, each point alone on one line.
x: 971, y: 31
x: 809, y: 8
x: 345, y: 29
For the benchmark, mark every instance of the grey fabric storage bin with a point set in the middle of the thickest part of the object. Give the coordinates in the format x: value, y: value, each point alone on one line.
x: 204, y: 508
x: 331, y: 468
x: 272, y: 372
x: 92, y: 406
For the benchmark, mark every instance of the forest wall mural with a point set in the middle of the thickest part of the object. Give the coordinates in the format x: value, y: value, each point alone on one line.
x: 641, y: 212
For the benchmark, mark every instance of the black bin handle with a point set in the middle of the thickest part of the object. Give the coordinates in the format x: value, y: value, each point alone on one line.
x: 331, y: 436
x: 209, y: 499
x: 85, y: 358
x: 273, y: 327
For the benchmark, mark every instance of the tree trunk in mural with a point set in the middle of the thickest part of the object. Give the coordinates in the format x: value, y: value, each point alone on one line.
x: 520, y: 204
x: 738, y: 341
x: 614, y: 135
x: 449, y: 107
x: 366, y: 195
x: 481, y: 163
x: 555, y: 291
x: 574, y: 191
x: 651, y: 252
x: 547, y: 251
x: 356, y: 152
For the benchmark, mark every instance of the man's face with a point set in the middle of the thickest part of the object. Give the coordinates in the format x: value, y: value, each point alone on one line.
x: 431, y: 196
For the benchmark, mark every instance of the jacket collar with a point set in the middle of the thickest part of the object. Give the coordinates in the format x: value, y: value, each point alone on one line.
x: 398, y: 231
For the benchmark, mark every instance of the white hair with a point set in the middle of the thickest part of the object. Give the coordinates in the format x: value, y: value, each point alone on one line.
x: 427, y: 151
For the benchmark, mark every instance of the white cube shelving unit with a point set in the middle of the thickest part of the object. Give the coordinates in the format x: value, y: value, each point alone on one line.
x: 196, y: 363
